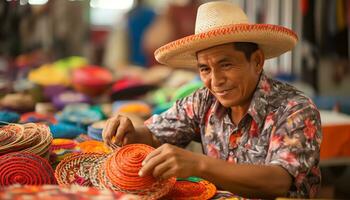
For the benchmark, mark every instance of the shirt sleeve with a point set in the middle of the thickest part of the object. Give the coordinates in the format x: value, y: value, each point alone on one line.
x: 295, y: 145
x: 180, y: 124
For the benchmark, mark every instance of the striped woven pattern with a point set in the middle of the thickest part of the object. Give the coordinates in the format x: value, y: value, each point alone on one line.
x: 74, y: 169
x: 60, y: 143
x: 25, y: 169
x: 120, y: 172
x: 61, y: 148
x: 30, y: 137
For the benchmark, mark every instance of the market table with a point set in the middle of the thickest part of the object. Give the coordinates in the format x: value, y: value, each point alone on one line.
x: 335, y: 147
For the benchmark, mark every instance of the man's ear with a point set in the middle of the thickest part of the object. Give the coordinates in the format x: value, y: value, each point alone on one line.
x: 258, y: 59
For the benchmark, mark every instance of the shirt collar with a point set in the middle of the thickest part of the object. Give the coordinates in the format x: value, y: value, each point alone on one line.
x: 258, y: 106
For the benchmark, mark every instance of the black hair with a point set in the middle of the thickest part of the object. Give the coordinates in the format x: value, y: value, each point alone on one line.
x: 248, y: 48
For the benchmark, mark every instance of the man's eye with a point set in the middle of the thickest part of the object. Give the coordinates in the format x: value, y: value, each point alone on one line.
x: 204, y: 69
x: 227, y: 65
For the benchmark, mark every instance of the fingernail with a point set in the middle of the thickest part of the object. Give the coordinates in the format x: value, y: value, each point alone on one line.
x: 140, y: 173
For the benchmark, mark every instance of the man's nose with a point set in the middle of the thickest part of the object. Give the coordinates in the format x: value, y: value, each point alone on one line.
x: 217, y: 78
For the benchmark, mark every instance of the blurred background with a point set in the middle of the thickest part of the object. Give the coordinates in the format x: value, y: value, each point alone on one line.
x: 74, y: 63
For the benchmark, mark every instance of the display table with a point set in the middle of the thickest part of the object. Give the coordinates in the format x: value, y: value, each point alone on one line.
x: 335, y: 147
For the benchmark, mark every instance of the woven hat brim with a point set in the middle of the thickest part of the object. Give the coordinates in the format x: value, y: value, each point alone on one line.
x: 274, y: 40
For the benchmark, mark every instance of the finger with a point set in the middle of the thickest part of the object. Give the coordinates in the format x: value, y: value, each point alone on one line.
x: 169, y: 173
x: 124, y: 126
x: 152, y: 154
x: 110, y: 130
x: 151, y: 164
x: 160, y: 169
x: 105, y: 135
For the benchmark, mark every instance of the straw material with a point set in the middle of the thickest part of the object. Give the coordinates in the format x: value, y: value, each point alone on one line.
x: 220, y: 23
x: 94, y: 172
x: 25, y: 169
x: 120, y: 172
x: 30, y: 137
x: 74, y: 169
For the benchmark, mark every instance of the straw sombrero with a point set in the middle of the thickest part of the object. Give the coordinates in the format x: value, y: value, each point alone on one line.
x: 222, y: 22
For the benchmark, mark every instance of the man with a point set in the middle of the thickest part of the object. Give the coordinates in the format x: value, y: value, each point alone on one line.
x: 261, y: 137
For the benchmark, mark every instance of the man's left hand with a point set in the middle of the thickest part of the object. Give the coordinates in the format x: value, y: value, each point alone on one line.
x: 171, y: 161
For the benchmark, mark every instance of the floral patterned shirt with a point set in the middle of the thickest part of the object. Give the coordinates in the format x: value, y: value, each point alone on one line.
x: 281, y: 127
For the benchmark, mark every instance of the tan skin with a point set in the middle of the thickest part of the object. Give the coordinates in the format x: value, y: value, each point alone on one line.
x: 232, y: 79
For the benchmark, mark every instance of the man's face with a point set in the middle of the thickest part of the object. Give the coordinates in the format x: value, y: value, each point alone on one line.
x: 228, y: 74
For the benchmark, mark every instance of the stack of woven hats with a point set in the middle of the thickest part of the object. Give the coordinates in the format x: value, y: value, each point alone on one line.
x: 30, y: 137
x: 24, y: 150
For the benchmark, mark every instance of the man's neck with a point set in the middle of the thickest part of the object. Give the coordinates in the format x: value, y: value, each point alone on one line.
x: 238, y: 112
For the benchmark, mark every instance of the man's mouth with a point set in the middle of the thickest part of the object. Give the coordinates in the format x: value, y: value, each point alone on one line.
x: 223, y: 92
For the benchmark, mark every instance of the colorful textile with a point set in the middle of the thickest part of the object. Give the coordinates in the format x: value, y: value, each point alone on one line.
x: 60, y: 143
x: 76, y: 192
x: 281, y: 127
x: 95, y: 130
x: 30, y: 137
x: 129, y: 88
x: 136, y: 107
x: 120, y: 173
x: 65, y: 130
x: 82, y: 138
x: 61, y: 148
x: 74, y: 169
x: 36, y: 117
x: 79, y: 114
x: 191, y: 189
x: 49, y: 75
x: 10, y: 117
x: 186, y: 90
x: 63, y: 99
x: 93, y: 146
x: 25, y: 169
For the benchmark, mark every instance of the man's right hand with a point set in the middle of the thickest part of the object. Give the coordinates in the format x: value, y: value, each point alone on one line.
x: 121, y: 129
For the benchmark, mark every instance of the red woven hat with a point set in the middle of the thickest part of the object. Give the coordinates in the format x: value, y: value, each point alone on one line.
x: 25, y: 169
x: 222, y: 22
x: 120, y: 172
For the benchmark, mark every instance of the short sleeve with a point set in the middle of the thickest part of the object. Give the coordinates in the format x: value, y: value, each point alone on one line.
x: 180, y: 124
x: 295, y: 145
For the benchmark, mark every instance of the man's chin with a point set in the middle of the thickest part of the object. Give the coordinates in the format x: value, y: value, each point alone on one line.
x: 227, y: 104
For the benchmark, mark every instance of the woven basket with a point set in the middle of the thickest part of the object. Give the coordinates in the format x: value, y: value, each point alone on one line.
x: 25, y: 169
x: 74, y: 169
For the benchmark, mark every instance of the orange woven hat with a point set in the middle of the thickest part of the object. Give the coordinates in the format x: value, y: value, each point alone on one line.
x: 222, y: 22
